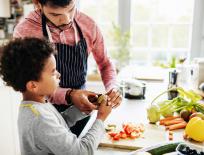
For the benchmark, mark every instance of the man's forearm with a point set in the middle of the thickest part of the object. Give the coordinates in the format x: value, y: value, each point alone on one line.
x: 59, y: 97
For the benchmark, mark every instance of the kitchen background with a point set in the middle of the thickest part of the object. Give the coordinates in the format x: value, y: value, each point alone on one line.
x: 157, y: 35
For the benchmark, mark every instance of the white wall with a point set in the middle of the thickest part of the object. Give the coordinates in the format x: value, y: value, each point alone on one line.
x: 9, y: 101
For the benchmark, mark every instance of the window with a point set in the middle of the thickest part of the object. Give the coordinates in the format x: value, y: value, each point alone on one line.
x: 160, y: 29
x: 104, y: 13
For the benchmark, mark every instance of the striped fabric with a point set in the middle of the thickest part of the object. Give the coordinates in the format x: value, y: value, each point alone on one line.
x: 32, y: 26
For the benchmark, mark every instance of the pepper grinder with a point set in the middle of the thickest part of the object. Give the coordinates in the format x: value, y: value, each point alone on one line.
x: 172, y: 84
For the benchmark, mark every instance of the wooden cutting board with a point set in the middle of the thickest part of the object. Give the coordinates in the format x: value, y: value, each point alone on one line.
x: 153, y: 134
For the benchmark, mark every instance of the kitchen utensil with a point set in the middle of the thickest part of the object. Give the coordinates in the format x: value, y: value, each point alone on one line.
x: 188, y: 149
x: 172, y: 84
x: 133, y: 89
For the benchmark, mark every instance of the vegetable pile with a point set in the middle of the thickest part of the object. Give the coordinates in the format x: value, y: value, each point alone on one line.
x: 129, y: 130
x: 187, y: 100
x: 190, y: 114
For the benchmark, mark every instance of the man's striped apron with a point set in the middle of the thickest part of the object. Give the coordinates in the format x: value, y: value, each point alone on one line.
x: 71, y: 63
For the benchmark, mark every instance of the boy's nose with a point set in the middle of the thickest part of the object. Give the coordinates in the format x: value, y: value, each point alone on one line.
x: 58, y: 75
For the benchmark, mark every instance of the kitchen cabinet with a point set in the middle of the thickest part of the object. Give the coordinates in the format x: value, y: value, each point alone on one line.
x: 5, y: 8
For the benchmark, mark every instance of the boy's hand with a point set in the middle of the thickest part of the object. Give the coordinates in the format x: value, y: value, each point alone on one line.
x: 115, y: 97
x: 80, y: 98
x: 104, y: 109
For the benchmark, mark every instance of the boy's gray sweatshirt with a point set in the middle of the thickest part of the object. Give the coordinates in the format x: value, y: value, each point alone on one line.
x: 43, y: 131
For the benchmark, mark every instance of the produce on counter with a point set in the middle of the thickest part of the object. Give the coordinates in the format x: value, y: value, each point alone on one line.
x: 197, y: 114
x: 195, y: 129
x: 162, y: 121
x: 185, y: 114
x: 177, y: 126
x: 129, y: 131
x: 187, y: 101
x: 173, y: 123
x: 153, y: 114
x: 159, y: 149
x: 111, y: 127
x: 171, y: 135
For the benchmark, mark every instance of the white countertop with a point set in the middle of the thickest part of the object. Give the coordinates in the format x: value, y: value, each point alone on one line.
x: 127, y: 113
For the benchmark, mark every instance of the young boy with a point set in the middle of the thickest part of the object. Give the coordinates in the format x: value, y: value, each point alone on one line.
x: 28, y: 65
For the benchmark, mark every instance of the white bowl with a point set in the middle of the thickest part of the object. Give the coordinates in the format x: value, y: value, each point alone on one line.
x: 182, y: 146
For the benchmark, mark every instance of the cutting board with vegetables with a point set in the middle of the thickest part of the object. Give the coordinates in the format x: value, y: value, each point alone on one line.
x: 171, y: 127
x: 153, y: 134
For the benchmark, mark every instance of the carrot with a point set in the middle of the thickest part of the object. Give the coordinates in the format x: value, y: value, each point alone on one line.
x: 171, y: 133
x: 171, y: 137
x: 162, y: 121
x: 174, y: 121
x: 176, y: 126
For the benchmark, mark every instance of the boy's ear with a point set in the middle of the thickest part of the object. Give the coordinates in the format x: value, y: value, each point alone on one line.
x: 31, y: 86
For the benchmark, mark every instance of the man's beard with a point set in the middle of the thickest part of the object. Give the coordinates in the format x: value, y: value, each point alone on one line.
x: 62, y: 26
x: 65, y: 25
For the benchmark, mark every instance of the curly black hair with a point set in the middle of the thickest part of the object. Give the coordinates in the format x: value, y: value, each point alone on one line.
x: 22, y: 60
x: 60, y: 3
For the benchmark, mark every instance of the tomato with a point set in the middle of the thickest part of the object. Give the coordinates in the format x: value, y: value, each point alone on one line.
x: 112, y: 134
x: 134, y: 135
x: 137, y: 130
x: 123, y: 135
x: 129, y: 130
x: 124, y: 125
x: 116, y: 137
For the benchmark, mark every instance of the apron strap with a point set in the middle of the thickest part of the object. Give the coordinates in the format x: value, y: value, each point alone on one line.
x: 79, y: 30
x: 44, y: 29
x: 47, y: 33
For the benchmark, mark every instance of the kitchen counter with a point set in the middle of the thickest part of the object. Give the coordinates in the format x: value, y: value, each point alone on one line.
x: 131, y: 111
x: 135, y: 111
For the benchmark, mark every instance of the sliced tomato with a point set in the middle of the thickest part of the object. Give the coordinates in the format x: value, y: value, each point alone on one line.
x: 136, y: 130
x: 128, y: 130
x: 124, y: 126
x: 116, y: 137
x: 123, y: 135
x: 134, y: 135
x: 112, y: 134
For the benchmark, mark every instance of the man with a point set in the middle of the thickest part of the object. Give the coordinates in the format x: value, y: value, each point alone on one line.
x: 75, y: 36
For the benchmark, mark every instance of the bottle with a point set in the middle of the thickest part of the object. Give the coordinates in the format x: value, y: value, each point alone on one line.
x: 172, y: 84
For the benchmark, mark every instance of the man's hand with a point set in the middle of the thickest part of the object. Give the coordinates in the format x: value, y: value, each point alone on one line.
x: 80, y: 98
x: 115, y: 97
